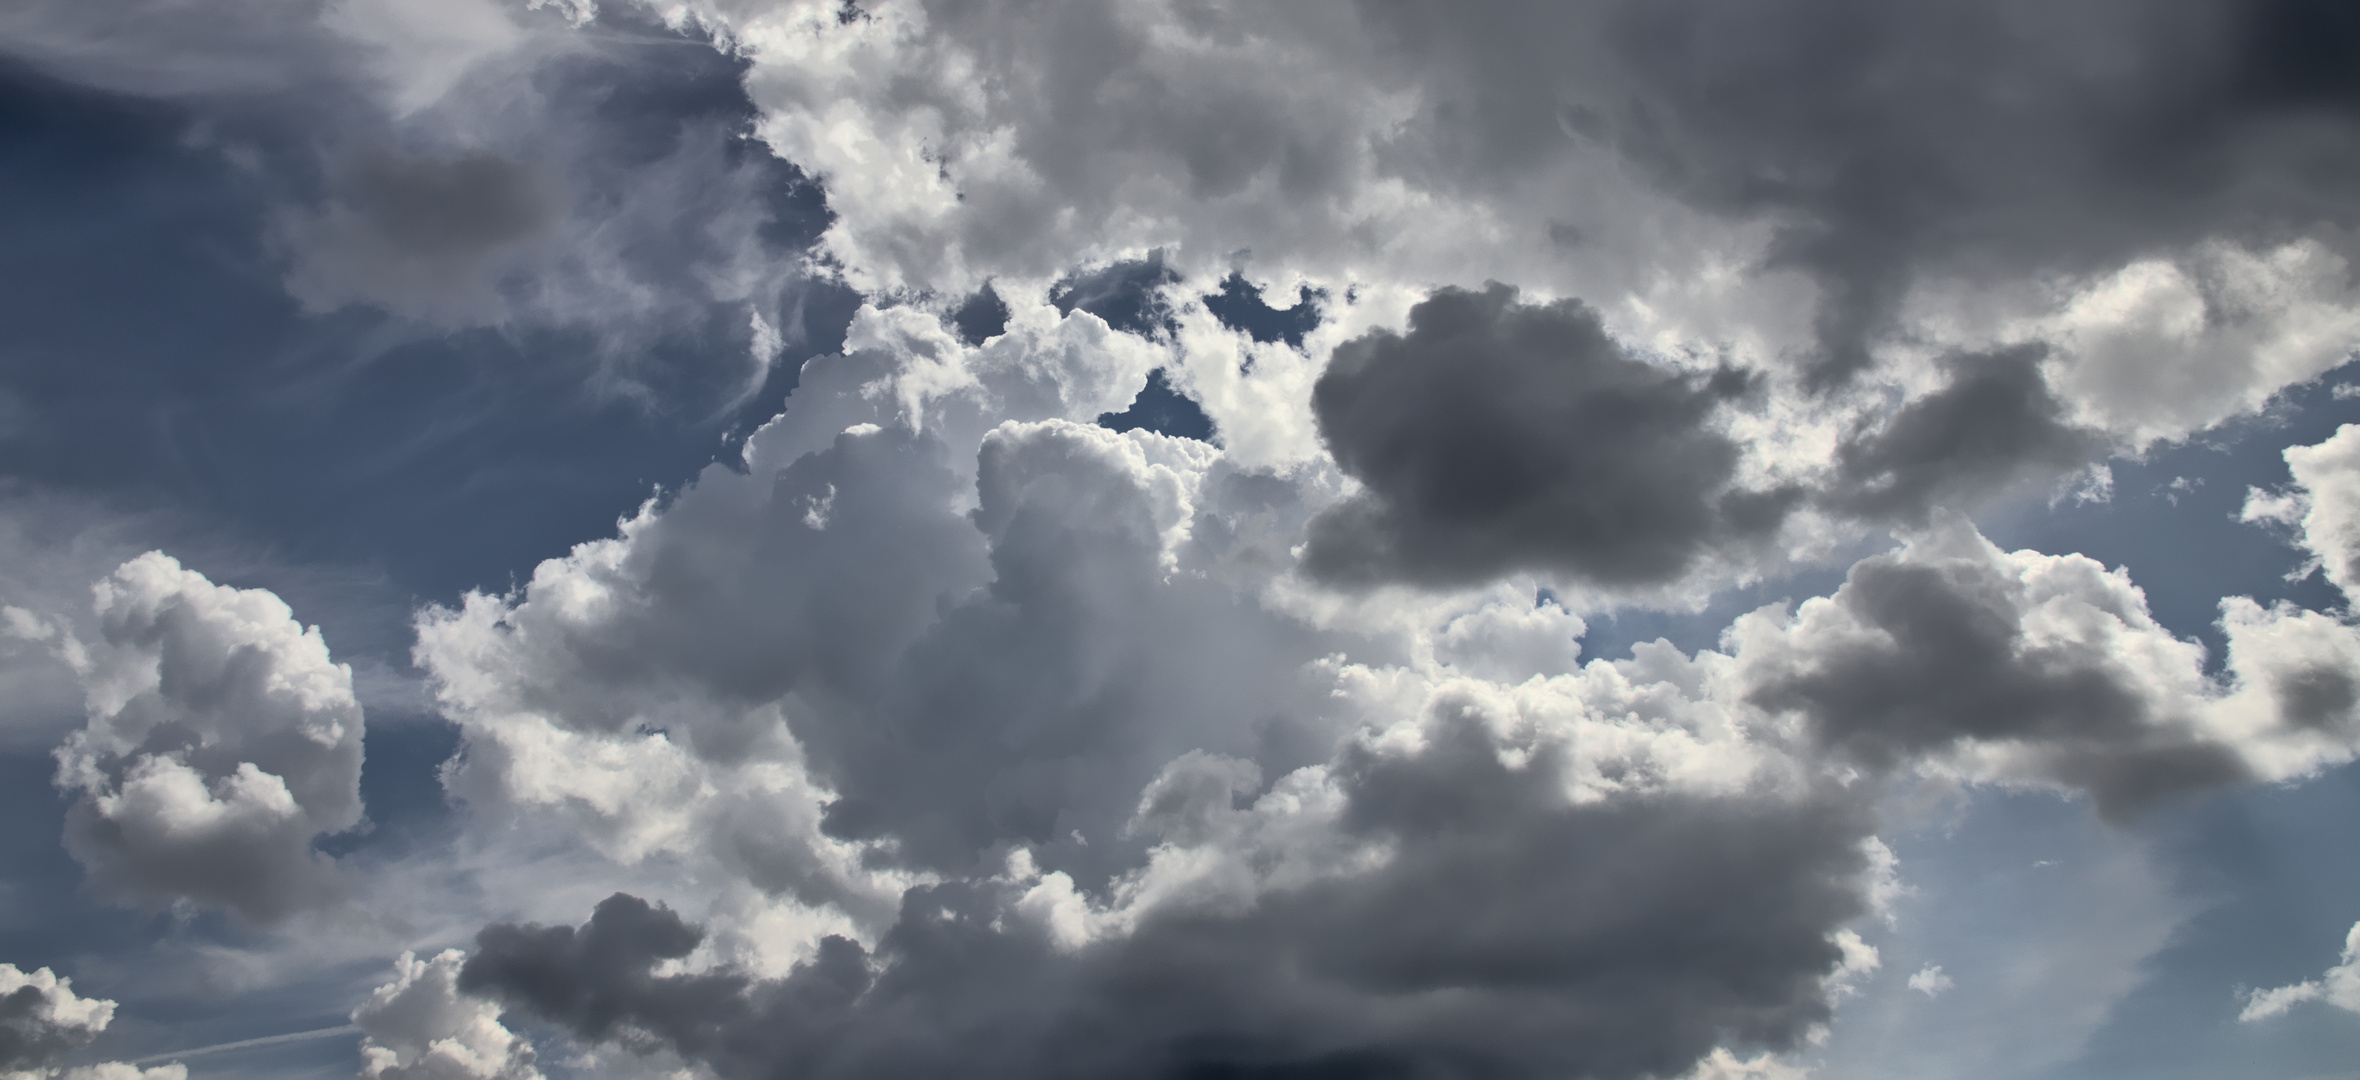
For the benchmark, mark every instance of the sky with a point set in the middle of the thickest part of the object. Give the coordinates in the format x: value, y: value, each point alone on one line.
x: 1179, y: 540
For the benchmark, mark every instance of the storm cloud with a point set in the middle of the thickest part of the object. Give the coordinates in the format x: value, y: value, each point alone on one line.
x: 1497, y: 436
x: 1507, y: 932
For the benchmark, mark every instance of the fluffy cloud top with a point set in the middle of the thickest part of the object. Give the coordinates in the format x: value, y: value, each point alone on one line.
x: 419, y: 1027
x: 1111, y: 751
x: 41, y: 1018
x: 222, y: 741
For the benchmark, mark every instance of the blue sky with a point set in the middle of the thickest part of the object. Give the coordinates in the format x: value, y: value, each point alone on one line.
x: 733, y: 539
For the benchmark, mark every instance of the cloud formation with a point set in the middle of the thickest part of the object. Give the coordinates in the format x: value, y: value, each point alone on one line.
x: 2339, y: 987
x: 1088, y: 668
x: 41, y: 1019
x: 222, y: 741
x: 1496, y: 436
x: 2322, y: 505
x: 420, y: 1027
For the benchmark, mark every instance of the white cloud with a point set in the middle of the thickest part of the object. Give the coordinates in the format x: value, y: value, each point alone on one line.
x: 2339, y: 987
x: 41, y: 1018
x: 2163, y: 347
x: 221, y: 742
x: 1930, y: 981
x: 421, y: 1027
x: 2323, y: 504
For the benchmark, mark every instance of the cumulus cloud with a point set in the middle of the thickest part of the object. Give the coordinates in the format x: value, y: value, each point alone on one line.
x: 1393, y: 910
x: 942, y: 729
x: 2323, y: 505
x: 421, y: 1027
x: 1794, y: 177
x: 2050, y: 667
x: 1496, y: 436
x: 221, y: 742
x: 1066, y: 766
x: 2339, y: 987
x: 1098, y: 784
x: 41, y: 1019
x: 1993, y: 422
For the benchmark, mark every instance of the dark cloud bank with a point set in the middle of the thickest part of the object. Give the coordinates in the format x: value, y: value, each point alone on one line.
x: 1512, y: 935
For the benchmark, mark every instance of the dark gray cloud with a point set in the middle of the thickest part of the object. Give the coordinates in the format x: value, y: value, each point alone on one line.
x: 1512, y: 933
x: 29, y: 1038
x: 1895, y: 142
x: 42, y: 1019
x: 1941, y: 657
x: 1498, y: 436
x: 1995, y: 422
x: 1126, y: 294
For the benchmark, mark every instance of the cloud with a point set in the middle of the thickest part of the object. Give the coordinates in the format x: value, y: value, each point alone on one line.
x: 421, y: 1027
x: 2339, y: 987
x: 221, y: 742
x: 1407, y: 909
x: 41, y: 1019
x: 1930, y: 981
x: 1497, y: 436
x: 1881, y: 156
x: 1083, y: 775
x: 2050, y: 668
x: 420, y: 235
x: 1993, y: 422
x: 2323, y: 505
x: 2165, y: 346
x: 942, y: 729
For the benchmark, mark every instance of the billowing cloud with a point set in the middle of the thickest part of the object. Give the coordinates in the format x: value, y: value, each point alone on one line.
x: 420, y: 1027
x: 2323, y: 505
x: 1993, y: 422
x: 222, y: 741
x: 1091, y: 668
x: 1883, y: 157
x: 1102, y: 784
x: 2032, y: 666
x: 41, y: 1019
x: 1404, y: 909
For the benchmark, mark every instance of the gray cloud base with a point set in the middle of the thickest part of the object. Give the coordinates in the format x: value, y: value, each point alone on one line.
x: 1510, y: 934
x: 1496, y: 436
